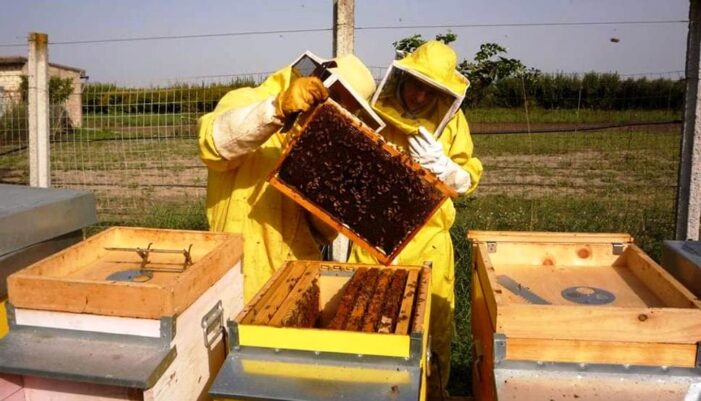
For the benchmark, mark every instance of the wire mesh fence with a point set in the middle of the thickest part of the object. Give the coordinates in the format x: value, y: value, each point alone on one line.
x: 136, y: 149
x: 14, y: 167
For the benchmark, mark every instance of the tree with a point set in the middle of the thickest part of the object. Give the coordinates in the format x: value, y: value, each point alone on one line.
x: 408, y: 45
x: 59, y: 89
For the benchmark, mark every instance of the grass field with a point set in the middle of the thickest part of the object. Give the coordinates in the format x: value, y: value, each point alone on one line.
x: 557, y: 116
x: 145, y: 171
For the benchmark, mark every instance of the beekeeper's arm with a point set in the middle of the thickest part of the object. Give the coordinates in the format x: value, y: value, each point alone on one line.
x: 238, y: 131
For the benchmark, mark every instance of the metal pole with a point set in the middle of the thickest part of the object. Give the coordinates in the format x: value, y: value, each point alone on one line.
x: 343, y: 27
x: 689, y: 188
x: 38, y: 97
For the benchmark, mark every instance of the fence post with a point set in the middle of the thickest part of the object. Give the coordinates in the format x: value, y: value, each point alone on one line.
x: 38, y: 98
x: 343, y: 27
x: 689, y: 188
x: 343, y: 43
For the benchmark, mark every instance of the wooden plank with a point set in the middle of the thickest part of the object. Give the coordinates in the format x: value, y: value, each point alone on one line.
x: 548, y: 237
x: 309, y: 277
x: 372, y: 317
x: 663, y: 284
x: 266, y: 311
x: 249, y: 311
x: 194, y: 281
x: 112, y: 299
x: 488, y: 281
x: 70, y: 259
x: 544, y: 254
x: 601, y: 323
x: 422, y: 300
x: 348, y: 300
x: 405, y: 311
x: 483, y: 342
x: 610, y: 352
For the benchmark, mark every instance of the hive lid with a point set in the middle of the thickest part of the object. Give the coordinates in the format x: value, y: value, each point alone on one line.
x: 118, y: 360
x: 32, y: 215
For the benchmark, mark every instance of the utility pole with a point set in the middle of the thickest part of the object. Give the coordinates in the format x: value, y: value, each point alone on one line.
x: 689, y: 188
x: 38, y: 99
x: 343, y: 27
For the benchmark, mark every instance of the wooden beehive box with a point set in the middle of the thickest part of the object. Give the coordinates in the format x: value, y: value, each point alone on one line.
x: 158, y: 335
x: 321, y: 330
x: 576, y: 298
x: 313, y: 306
x: 344, y: 173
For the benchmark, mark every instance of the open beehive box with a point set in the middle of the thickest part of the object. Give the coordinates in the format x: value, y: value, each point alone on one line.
x: 319, y: 330
x: 576, y: 298
x: 130, y: 313
x: 356, y: 309
x: 344, y: 173
x: 131, y: 272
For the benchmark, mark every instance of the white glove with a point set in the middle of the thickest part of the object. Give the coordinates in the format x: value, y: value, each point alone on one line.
x: 428, y: 152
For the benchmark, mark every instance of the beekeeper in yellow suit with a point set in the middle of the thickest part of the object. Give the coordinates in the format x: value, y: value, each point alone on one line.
x: 419, y: 100
x: 240, y: 142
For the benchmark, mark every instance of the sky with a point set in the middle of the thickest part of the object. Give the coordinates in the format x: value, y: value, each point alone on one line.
x: 641, y: 49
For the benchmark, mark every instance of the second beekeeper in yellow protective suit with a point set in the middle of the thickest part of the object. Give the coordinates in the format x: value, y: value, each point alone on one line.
x: 240, y: 142
x: 419, y: 100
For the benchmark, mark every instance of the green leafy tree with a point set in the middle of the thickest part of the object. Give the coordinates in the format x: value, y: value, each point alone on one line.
x: 59, y: 89
x: 408, y: 45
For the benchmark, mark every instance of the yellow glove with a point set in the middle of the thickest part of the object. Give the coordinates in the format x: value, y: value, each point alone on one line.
x: 302, y: 94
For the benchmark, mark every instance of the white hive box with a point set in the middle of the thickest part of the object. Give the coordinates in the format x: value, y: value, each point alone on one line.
x: 122, y: 316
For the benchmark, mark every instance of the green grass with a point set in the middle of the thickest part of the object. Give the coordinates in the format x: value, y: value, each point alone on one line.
x: 564, y: 116
x: 479, y: 115
x: 138, y: 119
x: 177, y: 216
x: 664, y: 140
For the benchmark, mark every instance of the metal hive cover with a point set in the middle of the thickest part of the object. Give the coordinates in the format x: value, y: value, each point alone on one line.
x: 32, y: 215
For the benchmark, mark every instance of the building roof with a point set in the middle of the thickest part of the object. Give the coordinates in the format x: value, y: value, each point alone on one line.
x: 21, y: 61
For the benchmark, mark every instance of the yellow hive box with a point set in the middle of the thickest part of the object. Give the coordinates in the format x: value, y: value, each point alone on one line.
x: 269, y: 360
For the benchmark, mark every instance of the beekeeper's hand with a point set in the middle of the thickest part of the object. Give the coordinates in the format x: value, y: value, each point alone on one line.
x: 302, y: 94
x: 428, y: 152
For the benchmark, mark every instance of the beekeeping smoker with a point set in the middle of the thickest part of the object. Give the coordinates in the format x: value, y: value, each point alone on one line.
x: 419, y: 100
x: 241, y: 142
